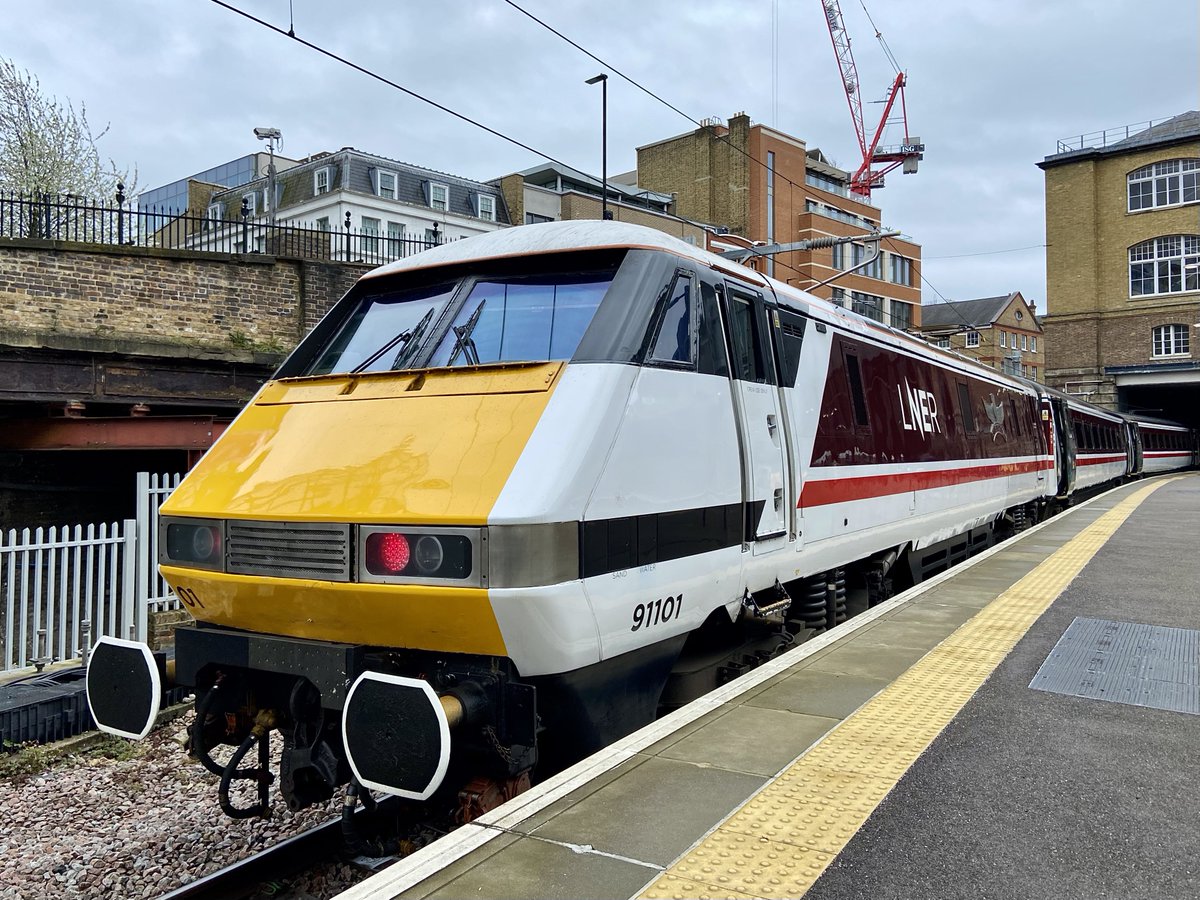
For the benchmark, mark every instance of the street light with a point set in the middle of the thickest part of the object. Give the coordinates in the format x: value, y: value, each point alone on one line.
x: 270, y: 135
x: 603, y: 79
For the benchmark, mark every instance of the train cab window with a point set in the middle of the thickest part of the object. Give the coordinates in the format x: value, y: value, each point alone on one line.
x: 750, y: 358
x: 674, y: 342
x: 521, y: 319
x: 964, y: 408
x: 711, y: 358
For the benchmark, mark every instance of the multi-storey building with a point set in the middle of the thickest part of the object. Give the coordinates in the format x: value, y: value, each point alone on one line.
x: 1123, y: 267
x: 347, y: 205
x: 768, y: 186
x: 1001, y: 332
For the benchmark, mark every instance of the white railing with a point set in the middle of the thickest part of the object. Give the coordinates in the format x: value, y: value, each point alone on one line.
x: 64, y: 586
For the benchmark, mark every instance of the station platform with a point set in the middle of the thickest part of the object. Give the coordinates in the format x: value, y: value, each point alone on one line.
x: 1024, y: 725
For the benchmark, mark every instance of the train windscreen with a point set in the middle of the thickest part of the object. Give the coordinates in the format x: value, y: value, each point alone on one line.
x: 514, y: 319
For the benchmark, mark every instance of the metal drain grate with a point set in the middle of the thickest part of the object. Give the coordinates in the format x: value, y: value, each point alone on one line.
x: 1143, y: 665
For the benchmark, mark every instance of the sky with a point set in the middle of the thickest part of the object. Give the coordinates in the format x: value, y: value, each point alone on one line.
x: 993, y: 86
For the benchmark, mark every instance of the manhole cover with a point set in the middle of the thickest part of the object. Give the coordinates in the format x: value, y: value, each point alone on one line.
x: 1143, y: 665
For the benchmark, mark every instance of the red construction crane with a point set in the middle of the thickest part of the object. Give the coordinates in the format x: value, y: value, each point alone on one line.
x: 906, y: 154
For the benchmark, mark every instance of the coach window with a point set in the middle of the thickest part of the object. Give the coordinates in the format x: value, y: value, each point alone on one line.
x: 674, y: 343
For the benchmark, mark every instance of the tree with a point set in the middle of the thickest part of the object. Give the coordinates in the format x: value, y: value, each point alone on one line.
x: 47, y: 148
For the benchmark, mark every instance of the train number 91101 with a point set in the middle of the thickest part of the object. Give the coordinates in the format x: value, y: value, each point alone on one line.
x: 656, y: 612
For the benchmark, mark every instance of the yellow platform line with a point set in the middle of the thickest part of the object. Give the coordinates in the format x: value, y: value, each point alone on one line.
x: 783, y: 838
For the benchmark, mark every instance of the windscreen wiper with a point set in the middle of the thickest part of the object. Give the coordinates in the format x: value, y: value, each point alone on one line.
x: 462, y: 338
x: 406, y: 338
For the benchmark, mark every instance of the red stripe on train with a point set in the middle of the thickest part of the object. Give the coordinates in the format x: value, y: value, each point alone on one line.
x: 840, y: 490
x: 1100, y: 460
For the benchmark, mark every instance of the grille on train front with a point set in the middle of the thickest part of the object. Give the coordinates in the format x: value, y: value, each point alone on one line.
x: 289, y: 549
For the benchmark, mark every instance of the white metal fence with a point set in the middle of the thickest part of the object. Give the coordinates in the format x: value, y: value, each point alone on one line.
x: 64, y: 586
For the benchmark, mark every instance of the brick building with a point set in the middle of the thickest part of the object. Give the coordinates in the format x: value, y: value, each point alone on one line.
x: 768, y: 186
x: 1123, y: 267
x: 1001, y: 332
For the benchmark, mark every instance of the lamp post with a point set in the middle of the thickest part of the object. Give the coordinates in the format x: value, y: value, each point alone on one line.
x: 603, y: 79
x: 270, y: 135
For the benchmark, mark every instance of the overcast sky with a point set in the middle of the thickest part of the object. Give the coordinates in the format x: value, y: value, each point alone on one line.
x: 993, y: 85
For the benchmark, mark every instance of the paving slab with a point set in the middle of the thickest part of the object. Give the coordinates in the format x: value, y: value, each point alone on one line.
x: 655, y: 812
x: 752, y: 739
x: 826, y: 694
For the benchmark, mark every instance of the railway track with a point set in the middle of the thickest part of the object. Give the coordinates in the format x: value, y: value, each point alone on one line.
x: 279, y: 861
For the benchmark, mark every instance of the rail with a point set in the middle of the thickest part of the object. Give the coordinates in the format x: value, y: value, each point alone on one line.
x: 1107, y: 137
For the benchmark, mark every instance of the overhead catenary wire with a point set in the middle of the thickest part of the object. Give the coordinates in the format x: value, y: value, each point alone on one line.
x: 290, y: 33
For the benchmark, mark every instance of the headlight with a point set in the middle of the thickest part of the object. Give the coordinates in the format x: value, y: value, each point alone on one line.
x: 400, y: 554
x: 199, y: 543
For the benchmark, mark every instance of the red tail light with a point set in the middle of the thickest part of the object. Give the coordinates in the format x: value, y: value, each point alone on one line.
x: 388, y: 553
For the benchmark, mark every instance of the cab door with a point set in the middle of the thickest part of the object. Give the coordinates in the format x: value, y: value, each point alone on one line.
x: 765, y: 490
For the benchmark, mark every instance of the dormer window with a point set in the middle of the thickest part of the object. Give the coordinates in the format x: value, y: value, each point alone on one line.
x: 214, y: 212
x: 387, y: 185
x: 321, y: 180
x: 250, y: 202
x: 439, y: 197
x: 487, y: 207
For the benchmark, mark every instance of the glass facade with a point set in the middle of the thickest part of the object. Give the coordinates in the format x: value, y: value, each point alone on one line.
x: 173, y: 198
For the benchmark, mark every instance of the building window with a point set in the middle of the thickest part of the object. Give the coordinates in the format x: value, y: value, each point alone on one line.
x: 1003, y: 339
x: 431, y: 236
x: 487, y: 207
x: 1024, y: 342
x: 972, y: 338
x: 321, y: 181
x: 839, y: 257
x: 250, y: 202
x: 1034, y: 371
x: 1033, y: 344
x: 214, y: 212
x: 901, y: 315
x: 535, y: 219
x: 370, y: 235
x: 838, y: 297
x: 1165, y: 265
x: 1171, y: 340
x: 943, y: 342
x: 385, y: 184
x: 868, y: 305
x: 901, y: 270
x: 439, y: 197
x: 395, y: 235
x: 323, y: 223
x: 1164, y: 184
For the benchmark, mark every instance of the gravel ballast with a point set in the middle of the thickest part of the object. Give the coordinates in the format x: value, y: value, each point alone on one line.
x: 138, y: 822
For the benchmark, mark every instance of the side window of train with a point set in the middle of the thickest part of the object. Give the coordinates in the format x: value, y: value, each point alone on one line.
x: 711, y: 358
x: 964, y: 407
x: 858, y: 397
x: 789, y: 329
x: 751, y: 355
x: 675, y: 343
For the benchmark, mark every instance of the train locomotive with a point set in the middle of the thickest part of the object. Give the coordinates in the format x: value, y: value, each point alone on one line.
x: 516, y: 494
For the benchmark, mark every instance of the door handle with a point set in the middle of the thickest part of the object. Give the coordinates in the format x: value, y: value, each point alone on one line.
x: 778, y: 499
x: 771, y: 426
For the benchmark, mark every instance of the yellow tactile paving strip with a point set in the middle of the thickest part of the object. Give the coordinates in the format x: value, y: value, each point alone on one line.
x: 780, y: 842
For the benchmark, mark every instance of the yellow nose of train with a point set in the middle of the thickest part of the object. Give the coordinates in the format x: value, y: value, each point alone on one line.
x: 432, y: 448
